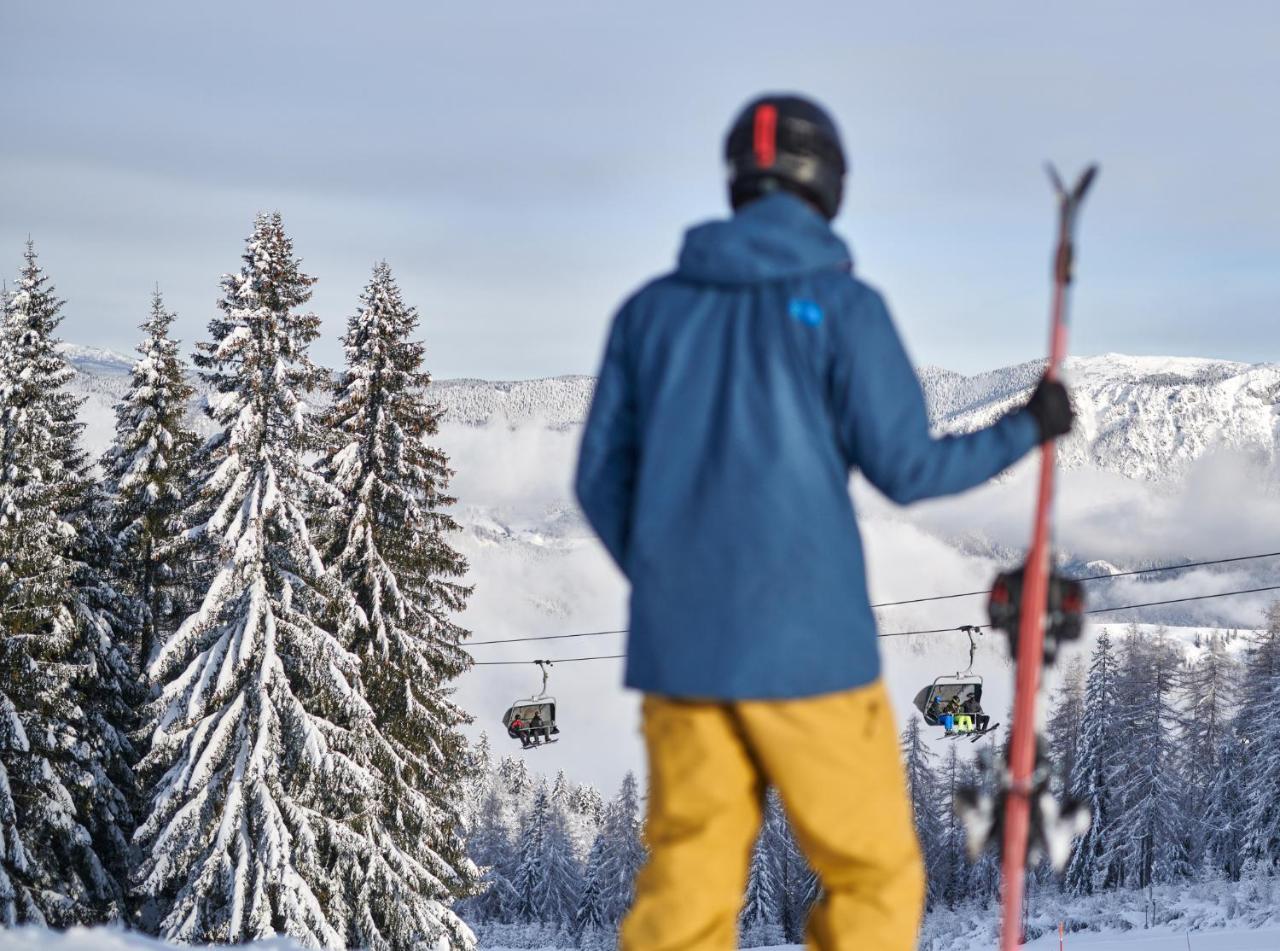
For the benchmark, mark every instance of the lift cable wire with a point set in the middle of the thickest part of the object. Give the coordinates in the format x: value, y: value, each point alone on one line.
x: 558, y: 660
x: 936, y: 597
x: 964, y: 628
x: 1107, y: 577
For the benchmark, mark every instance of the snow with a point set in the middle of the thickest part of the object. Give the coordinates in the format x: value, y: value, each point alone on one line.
x: 1166, y: 939
x: 99, y: 358
x: 111, y: 939
x: 1155, y: 939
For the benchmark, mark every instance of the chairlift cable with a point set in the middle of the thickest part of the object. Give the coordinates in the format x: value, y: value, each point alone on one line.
x: 1088, y: 578
x: 557, y: 660
x: 1198, y: 597
x: 937, y: 597
x: 963, y: 628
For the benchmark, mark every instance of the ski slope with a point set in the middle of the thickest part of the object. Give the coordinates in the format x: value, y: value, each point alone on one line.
x: 111, y: 939
x: 1157, y: 939
x: 1164, y: 939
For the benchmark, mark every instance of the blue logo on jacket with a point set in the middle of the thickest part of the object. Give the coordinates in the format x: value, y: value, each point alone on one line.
x: 806, y: 311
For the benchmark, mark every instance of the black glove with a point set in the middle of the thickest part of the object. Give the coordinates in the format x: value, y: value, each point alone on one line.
x: 1050, y: 405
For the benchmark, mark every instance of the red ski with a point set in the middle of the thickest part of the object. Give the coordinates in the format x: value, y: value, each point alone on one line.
x: 1033, y: 603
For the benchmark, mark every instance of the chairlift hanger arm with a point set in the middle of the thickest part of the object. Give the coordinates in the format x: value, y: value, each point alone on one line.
x: 970, y: 629
x: 543, y: 665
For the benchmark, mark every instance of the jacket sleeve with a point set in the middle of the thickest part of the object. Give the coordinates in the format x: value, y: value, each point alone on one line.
x: 610, y: 449
x: 883, y: 422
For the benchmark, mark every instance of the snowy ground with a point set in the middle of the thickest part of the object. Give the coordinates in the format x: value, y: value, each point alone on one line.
x: 1157, y: 939
x: 1164, y: 939
x: 107, y: 939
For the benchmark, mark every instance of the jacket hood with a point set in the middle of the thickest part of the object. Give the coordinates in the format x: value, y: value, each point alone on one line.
x: 775, y: 237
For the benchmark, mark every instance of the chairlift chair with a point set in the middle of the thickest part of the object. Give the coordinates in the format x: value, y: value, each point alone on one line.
x: 947, y: 687
x: 539, y: 705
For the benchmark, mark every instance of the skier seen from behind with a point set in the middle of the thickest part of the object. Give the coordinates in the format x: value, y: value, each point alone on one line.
x: 736, y: 396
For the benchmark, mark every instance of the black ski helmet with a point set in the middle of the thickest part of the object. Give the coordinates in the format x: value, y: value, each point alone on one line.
x: 789, y: 143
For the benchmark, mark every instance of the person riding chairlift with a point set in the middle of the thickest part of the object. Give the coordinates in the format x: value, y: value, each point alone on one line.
x: 933, y: 714
x: 973, y: 707
x: 518, y: 731
x: 536, y: 728
x: 949, y: 714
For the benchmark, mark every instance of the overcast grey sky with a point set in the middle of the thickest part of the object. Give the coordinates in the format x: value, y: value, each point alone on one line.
x: 524, y: 165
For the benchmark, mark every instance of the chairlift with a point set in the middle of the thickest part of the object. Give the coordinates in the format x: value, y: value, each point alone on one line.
x: 950, y: 690
x: 533, y: 721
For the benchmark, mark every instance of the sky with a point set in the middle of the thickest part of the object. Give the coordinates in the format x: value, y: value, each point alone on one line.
x: 523, y: 166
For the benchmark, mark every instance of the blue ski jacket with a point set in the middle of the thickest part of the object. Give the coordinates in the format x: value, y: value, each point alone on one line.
x: 735, y: 398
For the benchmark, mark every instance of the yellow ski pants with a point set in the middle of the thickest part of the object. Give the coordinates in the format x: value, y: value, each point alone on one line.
x: 834, y: 760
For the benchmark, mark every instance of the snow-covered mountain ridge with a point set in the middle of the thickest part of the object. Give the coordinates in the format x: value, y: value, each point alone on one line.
x: 1145, y: 418
x: 1142, y: 417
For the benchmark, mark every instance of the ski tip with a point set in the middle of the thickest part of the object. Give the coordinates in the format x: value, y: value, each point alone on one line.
x: 1076, y: 194
x: 1055, y: 179
x: 1086, y: 179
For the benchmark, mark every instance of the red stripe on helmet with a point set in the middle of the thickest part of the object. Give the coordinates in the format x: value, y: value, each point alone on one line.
x: 766, y: 135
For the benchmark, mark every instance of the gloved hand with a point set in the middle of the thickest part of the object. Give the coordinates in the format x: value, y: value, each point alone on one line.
x: 1050, y: 404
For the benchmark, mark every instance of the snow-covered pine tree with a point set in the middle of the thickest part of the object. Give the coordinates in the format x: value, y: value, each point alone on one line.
x: 548, y: 881
x: 624, y: 831
x: 148, y: 475
x: 18, y: 904
x: 587, y: 806
x: 491, y: 847
x: 513, y: 778
x: 1063, y: 732
x: 760, y: 923
x: 51, y: 748
x: 111, y: 692
x: 1098, y: 764
x: 800, y: 886
x: 591, y: 919
x: 983, y: 878
x: 1149, y: 844
x: 805, y: 892
x: 256, y: 802
x: 1257, y: 725
x: 388, y: 547
x: 530, y: 871
x: 1225, y: 811
x: 582, y: 827
x: 922, y: 787
x: 1207, y: 688
x: 951, y: 869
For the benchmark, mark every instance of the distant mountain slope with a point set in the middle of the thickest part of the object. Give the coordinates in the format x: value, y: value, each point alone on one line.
x: 556, y: 402
x: 1143, y: 417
